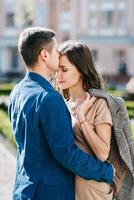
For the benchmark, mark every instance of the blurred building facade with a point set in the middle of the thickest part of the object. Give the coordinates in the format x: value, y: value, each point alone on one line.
x: 9, y: 61
x: 16, y: 15
x: 107, y: 27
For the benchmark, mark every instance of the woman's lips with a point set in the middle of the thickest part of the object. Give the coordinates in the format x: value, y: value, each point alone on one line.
x: 60, y: 82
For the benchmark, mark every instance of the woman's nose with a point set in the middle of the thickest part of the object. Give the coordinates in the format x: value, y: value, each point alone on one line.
x: 58, y: 75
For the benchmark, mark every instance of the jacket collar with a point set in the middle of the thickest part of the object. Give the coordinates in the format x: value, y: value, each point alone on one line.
x: 37, y: 78
x: 109, y: 98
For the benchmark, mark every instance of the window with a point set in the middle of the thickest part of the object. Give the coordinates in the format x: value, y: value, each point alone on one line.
x: 94, y: 54
x: 65, y: 37
x: 120, y: 56
x: 65, y: 4
x: 107, y: 19
x: 27, y: 19
x: 10, y: 19
x: 92, y: 20
x: 14, y: 57
x: 92, y: 13
x: 121, y: 19
x: 107, y: 14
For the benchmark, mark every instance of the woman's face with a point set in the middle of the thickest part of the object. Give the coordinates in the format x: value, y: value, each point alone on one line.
x: 67, y: 75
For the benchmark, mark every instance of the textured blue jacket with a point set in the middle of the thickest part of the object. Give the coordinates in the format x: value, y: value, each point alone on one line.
x: 47, y: 157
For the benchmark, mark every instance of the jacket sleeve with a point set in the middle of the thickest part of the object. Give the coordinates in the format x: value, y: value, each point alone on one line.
x: 57, y: 128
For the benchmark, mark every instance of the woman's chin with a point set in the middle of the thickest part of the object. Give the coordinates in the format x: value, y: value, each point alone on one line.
x: 62, y: 87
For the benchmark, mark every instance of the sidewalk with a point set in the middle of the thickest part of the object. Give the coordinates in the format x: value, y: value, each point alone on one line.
x: 7, y: 170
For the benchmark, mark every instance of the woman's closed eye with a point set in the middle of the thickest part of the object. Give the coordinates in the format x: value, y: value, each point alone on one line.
x: 63, y: 69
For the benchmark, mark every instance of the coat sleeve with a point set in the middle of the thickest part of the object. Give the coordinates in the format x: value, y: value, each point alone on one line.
x: 57, y: 128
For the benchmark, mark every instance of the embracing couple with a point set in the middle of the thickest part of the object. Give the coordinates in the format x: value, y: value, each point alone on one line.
x: 63, y: 137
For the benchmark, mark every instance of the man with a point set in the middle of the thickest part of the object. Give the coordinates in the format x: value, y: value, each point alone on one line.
x: 47, y: 156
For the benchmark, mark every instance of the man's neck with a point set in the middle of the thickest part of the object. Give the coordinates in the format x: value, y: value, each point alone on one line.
x: 41, y: 71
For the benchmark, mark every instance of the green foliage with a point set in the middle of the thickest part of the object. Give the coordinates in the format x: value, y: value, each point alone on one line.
x: 130, y: 108
x: 5, y: 126
x: 3, y: 106
x: 116, y: 93
x: 129, y: 104
x: 131, y: 114
x: 132, y: 129
x: 5, y: 88
x: 4, y: 102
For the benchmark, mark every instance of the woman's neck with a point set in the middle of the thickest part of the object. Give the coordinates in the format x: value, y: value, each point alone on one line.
x: 77, y: 94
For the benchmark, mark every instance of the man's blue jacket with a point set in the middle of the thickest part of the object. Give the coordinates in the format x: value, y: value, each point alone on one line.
x: 47, y: 156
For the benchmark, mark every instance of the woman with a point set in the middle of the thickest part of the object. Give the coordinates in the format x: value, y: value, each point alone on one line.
x: 91, y: 117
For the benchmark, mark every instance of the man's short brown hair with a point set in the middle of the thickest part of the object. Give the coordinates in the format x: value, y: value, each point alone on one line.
x: 32, y: 41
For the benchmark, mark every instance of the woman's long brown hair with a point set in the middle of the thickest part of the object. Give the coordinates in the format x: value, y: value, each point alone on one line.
x: 80, y: 56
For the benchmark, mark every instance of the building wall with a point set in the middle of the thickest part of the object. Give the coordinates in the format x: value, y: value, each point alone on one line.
x: 107, y: 27
x: 12, y: 15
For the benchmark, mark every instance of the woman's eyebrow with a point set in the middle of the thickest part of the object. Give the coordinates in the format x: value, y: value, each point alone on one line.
x: 62, y: 66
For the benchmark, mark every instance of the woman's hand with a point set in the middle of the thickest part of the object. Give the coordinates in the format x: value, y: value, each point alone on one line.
x: 84, y: 107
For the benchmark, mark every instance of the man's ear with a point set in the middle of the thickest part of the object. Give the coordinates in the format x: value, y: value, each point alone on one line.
x: 44, y: 54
